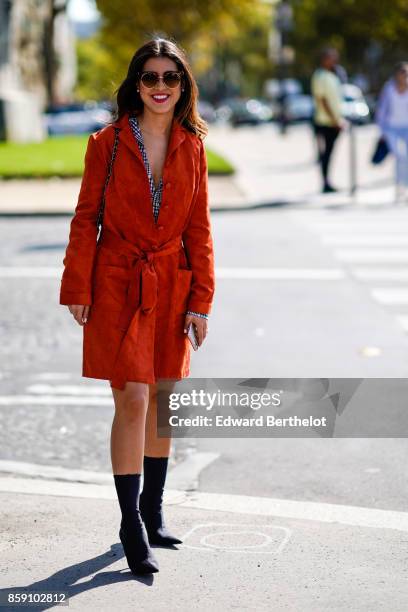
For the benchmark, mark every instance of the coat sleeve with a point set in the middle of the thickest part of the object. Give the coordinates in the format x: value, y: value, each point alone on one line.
x: 76, y: 282
x: 199, y: 247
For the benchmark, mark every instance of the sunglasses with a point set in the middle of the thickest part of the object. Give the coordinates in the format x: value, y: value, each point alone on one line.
x: 171, y: 78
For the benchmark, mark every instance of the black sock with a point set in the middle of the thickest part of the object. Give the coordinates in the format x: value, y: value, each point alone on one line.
x: 151, y: 498
x: 128, y: 489
x: 132, y: 532
x: 154, y: 478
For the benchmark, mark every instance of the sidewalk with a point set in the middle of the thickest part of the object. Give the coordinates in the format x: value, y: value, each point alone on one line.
x: 238, y: 552
x: 271, y: 170
x: 276, y: 170
x: 58, y: 196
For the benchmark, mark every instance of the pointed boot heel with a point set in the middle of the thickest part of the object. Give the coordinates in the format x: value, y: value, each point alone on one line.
x: 138, y: 554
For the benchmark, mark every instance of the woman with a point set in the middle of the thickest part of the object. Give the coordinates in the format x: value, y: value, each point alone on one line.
x: 149, y: 275
x: 392, y: 118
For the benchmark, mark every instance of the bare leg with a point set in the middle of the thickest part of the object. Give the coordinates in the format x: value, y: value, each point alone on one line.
x: 156, y: 446
x: 128, y: 428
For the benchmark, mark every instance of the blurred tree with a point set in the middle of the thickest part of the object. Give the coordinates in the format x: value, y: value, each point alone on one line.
x: 370, y: 36
x: 30, y: 45
x: 96, y: 75
x: 226, y: 42
x: 241, y: 49
x: 54, y: 8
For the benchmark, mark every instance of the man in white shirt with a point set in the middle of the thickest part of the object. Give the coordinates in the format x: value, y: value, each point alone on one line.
x: 328, y: 120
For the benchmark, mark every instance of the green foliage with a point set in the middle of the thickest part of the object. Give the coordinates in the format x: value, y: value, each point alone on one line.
x: 226, y: 41
x: 354, y: 27
x: 56, y: 156
x: 218, y: 164
x: 96, y: 73
x: 214, y: 34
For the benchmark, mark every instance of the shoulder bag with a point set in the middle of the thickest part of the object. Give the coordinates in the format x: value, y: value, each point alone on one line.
x: 381, y: 151
x: 99, y: 220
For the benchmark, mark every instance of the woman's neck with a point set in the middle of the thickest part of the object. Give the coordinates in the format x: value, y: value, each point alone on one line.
x: 155, y: 124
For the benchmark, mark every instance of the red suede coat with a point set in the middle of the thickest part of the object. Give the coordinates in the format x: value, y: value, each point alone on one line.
x: 142, y: 276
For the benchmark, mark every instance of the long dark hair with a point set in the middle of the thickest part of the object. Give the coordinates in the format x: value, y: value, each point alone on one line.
x: 186, y: 111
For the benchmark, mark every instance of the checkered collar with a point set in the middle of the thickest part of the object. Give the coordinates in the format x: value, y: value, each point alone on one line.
x: 177, y: 136
x: 136, y: 129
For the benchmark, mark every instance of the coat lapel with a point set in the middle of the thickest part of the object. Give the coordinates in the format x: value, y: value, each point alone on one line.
x: 177, y: 136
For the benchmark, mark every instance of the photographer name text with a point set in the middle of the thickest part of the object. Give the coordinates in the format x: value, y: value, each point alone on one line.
x: 268, y: 420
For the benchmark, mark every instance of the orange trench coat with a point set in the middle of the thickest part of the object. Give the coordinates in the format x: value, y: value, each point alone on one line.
x: 142, y: 276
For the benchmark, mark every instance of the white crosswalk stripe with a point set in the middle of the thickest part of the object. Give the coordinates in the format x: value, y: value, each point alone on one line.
x: 54, y: 400
x: 41, y: 392
x: 224, y: 273
x: 372, y: 255
x: 391, y: 296
x: 382, y: 274
x: 403, y: 320
x: 371, y: 239
x: 372, y: 246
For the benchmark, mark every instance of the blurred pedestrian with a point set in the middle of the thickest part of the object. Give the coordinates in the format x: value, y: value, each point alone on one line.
x: 283, y: 118
x: 328, y: 120
x: 392, y: 118
x: 138, y: 286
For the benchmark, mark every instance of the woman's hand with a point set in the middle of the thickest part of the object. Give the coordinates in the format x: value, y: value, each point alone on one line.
x: 80, y: 313
x: 201, y: 326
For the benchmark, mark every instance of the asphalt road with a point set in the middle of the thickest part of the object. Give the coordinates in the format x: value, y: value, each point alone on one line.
x: 324, y: 325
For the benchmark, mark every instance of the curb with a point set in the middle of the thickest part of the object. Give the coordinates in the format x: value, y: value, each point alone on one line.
x: 58, y: 197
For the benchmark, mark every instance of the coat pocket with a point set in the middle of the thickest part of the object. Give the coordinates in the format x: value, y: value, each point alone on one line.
x: 110, y: 285
x: 182, y: 290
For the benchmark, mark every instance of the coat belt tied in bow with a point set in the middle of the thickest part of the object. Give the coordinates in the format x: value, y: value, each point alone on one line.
x: 142, y: 290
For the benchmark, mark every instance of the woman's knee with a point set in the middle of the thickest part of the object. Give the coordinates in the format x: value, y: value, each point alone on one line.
x: 132, y: 402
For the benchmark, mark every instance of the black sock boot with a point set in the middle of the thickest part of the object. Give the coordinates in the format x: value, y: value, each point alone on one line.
x: 151, y: 498
x: 132, y: 531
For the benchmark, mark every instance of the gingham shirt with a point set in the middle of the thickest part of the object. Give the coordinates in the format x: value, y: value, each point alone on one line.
x: 156, y: 192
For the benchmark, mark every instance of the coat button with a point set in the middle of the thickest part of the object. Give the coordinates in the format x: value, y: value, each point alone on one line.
x: 154, y: 248
x: 160, y: 227
x: 165, y: 206
x: 168, y: 185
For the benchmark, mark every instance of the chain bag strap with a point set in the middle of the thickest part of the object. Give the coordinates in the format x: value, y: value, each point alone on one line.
x: 99, y: 220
